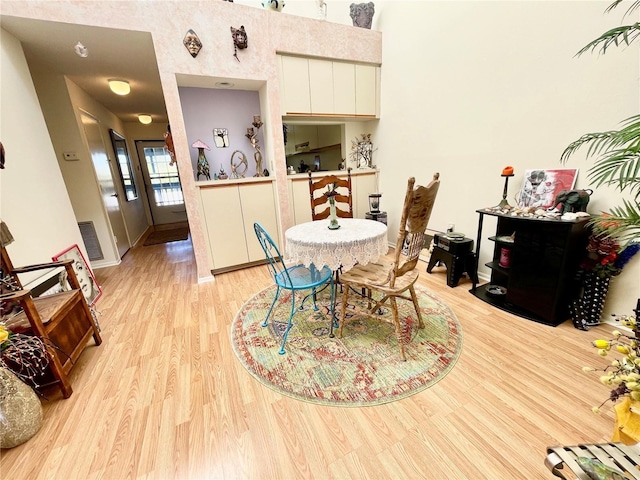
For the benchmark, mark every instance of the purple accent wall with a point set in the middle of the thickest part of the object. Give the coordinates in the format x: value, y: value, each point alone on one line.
x: 204, y: 109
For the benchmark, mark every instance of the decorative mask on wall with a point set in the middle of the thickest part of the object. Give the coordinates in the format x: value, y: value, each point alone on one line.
x: 192, y: 43
x: 239, y: 36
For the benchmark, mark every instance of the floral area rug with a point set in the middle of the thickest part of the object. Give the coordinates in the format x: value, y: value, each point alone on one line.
x: 362, y: 368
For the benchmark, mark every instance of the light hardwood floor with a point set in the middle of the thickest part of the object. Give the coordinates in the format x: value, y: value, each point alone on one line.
x: 165, y: 398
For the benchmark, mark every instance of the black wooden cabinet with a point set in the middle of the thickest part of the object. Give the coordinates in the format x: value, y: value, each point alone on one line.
x: 537, y: 266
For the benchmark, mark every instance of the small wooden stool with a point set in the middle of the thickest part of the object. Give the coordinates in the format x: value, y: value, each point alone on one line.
x: 457, y: 256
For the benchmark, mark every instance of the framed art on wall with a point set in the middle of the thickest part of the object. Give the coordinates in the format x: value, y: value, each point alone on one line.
x: 540, y: 186
x: 88, y: 283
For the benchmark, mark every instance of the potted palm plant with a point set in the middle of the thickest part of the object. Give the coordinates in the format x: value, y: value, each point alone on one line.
x: 616, y: 153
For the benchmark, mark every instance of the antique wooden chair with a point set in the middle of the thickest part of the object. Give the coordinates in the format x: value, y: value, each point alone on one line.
x: 344, y: 202
x: 293, y: 278
x: 393, y: 279
x: 63, y: 320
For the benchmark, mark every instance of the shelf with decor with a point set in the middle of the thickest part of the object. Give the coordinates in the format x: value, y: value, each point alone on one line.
x: 533, y: 266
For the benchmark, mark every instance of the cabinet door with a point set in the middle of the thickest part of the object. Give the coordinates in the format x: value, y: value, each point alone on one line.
x: 344, y: 88
x: 321, y: 87
x: 362, y: 186
x: 295, y: 71
x: 224, y: 225
x: 366, y: 90
x: 258, y: 205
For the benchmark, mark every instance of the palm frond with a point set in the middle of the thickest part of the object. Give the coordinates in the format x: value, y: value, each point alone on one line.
x: 612, y: 6
x: 634, y: 6
x: 618, y: 167
x: 619, y: 155
x: 620, y: 222
x: 624, y: 34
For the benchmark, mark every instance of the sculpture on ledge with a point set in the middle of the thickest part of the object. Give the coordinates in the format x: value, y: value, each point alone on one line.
x: 252, y: 135
x: 362, y: 14
x: 203, y: 164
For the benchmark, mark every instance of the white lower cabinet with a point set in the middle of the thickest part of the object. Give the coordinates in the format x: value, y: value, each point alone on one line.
x: 229, y: 213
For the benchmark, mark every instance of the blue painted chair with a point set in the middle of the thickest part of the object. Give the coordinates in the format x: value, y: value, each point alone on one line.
x: 292, y: 278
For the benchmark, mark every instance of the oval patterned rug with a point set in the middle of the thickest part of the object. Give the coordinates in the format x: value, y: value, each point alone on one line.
x: 362, y: 368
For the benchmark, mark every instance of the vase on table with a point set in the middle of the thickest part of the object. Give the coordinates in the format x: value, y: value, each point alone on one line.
x: 333, y: 219
x: 20, y: 410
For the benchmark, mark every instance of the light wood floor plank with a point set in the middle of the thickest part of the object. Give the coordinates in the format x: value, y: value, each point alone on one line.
x: 165, y: 398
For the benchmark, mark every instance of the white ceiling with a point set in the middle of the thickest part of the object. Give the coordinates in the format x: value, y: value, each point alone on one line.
x: 121, y: 54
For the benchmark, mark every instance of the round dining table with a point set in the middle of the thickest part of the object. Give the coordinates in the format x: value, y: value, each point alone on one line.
x: 357, y: 241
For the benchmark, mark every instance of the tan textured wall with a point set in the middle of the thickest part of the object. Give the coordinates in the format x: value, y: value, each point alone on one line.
x: 268, y: 32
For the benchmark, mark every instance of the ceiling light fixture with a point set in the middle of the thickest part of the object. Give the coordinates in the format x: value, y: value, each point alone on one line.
x: 119, y: 87
x: 81, y: 50
x: 224, y: 84
x: 145, y: 119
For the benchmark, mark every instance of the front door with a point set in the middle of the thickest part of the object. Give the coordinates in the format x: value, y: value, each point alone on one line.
x: 162, y: 183
x: 105, y: 176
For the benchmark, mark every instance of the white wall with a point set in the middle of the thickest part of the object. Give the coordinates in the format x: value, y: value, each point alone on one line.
x: 469, y: 87
x: 33, y: 197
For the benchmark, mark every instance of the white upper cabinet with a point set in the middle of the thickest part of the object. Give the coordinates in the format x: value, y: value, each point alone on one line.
x: 321, y: 87
x: 366, y: 84
x: 297, y: 93
x: 314, y: 87
x: 344, y: 88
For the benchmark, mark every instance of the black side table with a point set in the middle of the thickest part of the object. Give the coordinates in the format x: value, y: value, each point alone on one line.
x: 377, y: 216
x: 456, y: 255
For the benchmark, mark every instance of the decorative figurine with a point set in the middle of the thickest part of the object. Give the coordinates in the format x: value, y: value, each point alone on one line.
x: 362, y: 14
x: 168, y: 142
x: 203, y: 164
x: 322, y: 9
x: 222, y: 175
x: 192, y: 43
x: 275, y: 5
x: 234, y: 166
x: 240, y: 40
x: 572, y: 200
x: 252, y: 135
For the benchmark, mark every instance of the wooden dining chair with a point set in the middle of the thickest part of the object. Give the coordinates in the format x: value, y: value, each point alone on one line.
x: 320, y: 202
x: 392, y: 280
x: 293, y: 279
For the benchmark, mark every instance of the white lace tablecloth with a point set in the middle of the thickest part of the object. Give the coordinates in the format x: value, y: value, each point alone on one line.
x: 356, y: 241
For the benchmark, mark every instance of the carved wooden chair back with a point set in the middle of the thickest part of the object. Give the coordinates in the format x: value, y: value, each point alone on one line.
x: 416, y: 212
x: 320, y: 202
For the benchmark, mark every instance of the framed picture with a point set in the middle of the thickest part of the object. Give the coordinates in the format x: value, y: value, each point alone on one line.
x: 221, y: 137
x: 540, y: 186
x: 88, y: 283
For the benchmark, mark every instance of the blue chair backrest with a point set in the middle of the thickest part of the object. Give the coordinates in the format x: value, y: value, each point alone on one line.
x: 277, y: 268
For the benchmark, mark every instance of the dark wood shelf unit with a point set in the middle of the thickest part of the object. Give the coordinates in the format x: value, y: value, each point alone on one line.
x: 544, y: 257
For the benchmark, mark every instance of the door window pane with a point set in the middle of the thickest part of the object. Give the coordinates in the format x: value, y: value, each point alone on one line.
x: 165, y: 182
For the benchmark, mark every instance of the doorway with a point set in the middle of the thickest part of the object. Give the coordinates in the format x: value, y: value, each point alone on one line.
x: 105, y: 176
x: 162, y: 183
